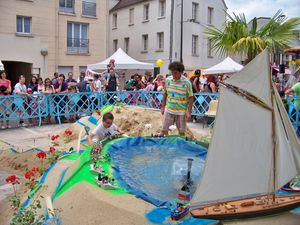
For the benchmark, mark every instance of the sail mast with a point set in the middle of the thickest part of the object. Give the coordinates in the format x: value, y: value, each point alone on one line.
x: 273, y: 135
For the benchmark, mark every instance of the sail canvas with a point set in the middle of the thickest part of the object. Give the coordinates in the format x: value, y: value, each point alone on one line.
x: 241, y: 155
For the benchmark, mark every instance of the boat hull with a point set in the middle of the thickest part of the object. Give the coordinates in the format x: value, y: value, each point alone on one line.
x: 283, y: 203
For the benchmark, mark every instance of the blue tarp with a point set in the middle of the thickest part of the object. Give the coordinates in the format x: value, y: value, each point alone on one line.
x: 154, y: 169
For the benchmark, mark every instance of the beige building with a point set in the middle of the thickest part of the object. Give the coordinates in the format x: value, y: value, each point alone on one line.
x: 45, y: 36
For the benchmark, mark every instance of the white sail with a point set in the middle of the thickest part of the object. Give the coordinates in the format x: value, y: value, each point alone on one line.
x: 287, y: 145
x: 253, y: 78
x: 239, y: 160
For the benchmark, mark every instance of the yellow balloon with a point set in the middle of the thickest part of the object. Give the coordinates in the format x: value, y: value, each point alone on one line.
x: 159, y: 63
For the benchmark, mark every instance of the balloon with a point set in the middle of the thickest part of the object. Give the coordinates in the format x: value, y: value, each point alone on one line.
x: 159, y: 63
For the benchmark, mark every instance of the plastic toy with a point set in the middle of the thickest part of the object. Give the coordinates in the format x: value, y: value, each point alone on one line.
x: 94, y: 168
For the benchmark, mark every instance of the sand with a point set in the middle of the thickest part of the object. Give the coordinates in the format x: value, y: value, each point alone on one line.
x: 89, y: 205
x: 19, y: 163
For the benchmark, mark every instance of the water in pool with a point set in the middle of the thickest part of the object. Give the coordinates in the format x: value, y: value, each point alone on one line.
x: 157, y: 169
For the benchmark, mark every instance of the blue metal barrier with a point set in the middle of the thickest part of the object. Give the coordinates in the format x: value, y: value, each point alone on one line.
x: 20, y: 107
x: 294, y: 112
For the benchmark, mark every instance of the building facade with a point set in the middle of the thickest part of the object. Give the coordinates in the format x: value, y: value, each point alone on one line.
x: 151, y: 30
x: 43, y: 37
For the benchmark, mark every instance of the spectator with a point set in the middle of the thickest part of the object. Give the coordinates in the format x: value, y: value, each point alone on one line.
x: 54, y: 80
x: 5, y: 89
x: 146, y: 78
x: 72, y: 87
x: 60, y: 87
x: 72, y: 83
x: 32, y: 109
x: 150, y: 85
x: 195, y: 80
x: 82, y: 88
x: 21, y: 89
x: 159, y: 82
x: 33, y: 84
x: 40, y: 86
x: 82, y: 83
x: 130, y: 83
x: 177, y: 100
x: 210, y: 86
x: 48, y: 89
x: 140, y: 85
x: 296, y: 91
x: 112, y: 81
x: 97, y: 87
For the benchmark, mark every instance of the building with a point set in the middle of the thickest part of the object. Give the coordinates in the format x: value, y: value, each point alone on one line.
x: 45, y: 36
x: 151, y: 30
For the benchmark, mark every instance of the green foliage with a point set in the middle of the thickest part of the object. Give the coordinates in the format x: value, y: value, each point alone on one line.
x: 53, y: 157
x: 28, y: 215
x: 15, y: 202
x: 248, y: 39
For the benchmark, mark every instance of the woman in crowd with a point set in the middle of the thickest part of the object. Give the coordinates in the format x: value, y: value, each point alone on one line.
x: 40, y: 86
x: 159, y: 82
x: 48, y: 89
x: 33, y: 85
x: 21, y: 89
x: 5, y: 89
x: 210, y: 86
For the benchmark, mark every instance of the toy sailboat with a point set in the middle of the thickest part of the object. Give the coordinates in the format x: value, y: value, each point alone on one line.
x: 253, y: 153
x: 184, y: 197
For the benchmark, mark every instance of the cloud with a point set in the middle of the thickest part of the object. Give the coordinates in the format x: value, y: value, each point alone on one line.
x: 264, y: 8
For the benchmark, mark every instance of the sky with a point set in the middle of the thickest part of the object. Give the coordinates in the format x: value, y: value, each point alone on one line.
x: 264, y: 8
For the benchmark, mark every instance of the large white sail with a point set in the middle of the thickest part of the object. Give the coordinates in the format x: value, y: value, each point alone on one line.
x: 253, y: 78
x: 287, y: 145
x: 239, y: 160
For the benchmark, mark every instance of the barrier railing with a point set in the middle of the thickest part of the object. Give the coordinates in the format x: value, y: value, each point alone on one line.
x: 294, y: 112
x: 18, y: 107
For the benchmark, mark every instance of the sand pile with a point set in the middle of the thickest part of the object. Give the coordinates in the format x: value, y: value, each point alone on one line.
x: 19, y: 163
x: 86, y: 204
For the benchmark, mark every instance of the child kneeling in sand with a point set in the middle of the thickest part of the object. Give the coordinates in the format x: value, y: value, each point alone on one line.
x: 105, y: 129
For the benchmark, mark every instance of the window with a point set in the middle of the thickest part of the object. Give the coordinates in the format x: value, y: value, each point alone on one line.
x: 209, y: 49
x: 160, y: 40
x: 131, y: 16
x: 23, y: 25
x: 89, y: 8
x: 162, y: 8
x: 195, y: 44
x: 146, y: 12
x: 66, y: 6
x: 126, y: 44
x: 145, y: 42
x: 77, y: 38
x: 210, y: 14
x: 195, y: 11
x: 115, y: 20
x: 115, y: 44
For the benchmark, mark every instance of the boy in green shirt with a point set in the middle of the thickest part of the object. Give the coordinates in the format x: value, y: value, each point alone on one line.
x: 177, y: 100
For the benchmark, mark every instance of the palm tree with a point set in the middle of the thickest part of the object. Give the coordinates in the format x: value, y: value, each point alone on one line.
x: 248, y: 39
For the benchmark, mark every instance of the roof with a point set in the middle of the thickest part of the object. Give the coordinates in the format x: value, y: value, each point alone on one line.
x: 124, y: 3
x: 122, y: 61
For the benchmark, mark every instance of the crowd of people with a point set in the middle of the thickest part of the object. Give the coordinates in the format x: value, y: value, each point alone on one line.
x: 108, y: 81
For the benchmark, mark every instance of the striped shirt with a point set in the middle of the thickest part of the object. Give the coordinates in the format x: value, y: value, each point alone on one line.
x: 178, y: 93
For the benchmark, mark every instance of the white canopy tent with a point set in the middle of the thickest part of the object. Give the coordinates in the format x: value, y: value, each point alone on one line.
x: 122, y: 62
x: 228, y: 65
x: 1, y: 66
